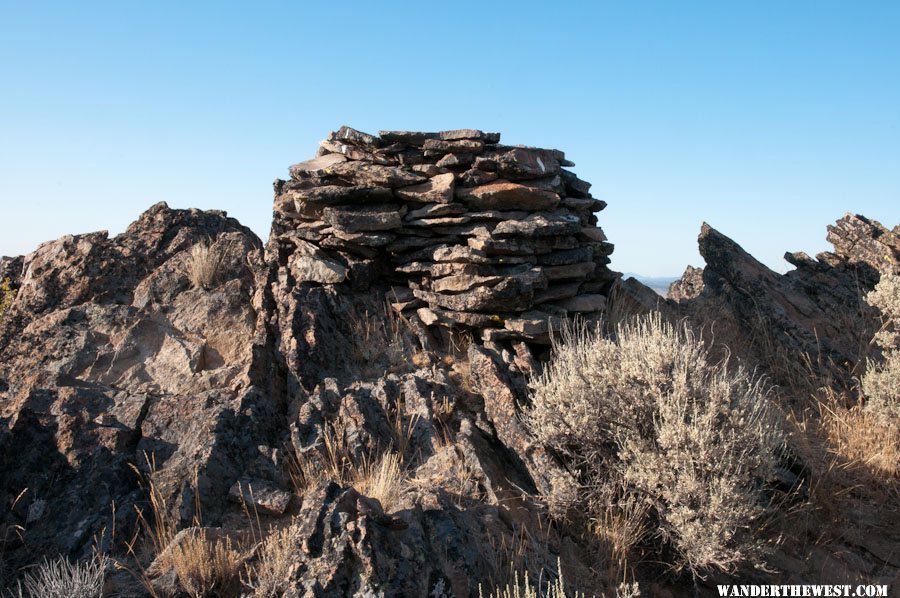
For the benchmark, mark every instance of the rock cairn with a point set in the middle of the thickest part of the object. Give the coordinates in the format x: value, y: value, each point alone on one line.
x: 467, y: 232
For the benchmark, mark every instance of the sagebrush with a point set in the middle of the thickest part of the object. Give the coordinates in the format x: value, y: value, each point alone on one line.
x: 646, y: 415
x: 881, y: 382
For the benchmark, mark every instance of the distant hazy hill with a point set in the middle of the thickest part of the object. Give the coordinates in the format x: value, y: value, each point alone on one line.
x: 660, y: 284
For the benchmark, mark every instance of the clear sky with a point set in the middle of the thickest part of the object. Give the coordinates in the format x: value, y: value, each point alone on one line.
x: 769, y: 120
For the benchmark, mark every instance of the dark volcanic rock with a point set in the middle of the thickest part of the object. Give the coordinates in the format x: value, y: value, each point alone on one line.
x: 807, y: 318
x: 514, y: 207
x: 111, y: 357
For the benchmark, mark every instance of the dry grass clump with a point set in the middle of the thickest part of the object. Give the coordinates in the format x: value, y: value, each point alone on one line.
x: 863, y: 436
x: 650, y: 413
x: 160, y: 529
x: 385, y: 339
x: 277, y: 561
x: 382, y: 477
x: 62, y: 579
x: 868, y: 434
x: 522, y: 588
x: 881, y: 382
x: 204, y: 264
x: 205, y: 567
x: 619, y: 527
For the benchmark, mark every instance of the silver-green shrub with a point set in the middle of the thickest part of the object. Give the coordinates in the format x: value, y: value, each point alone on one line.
x: 648, y: 414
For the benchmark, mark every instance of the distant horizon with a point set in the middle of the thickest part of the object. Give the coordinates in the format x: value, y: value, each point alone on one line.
x: 769, y: 121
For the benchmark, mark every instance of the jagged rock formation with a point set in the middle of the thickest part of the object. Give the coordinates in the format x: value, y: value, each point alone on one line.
x: 471, y: 234
x: 118, y: 358
x: 213, y: 365
x: 815, y: 310
x: 109, y: 352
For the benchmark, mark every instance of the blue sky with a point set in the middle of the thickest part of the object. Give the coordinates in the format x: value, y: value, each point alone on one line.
x: 769, y: 120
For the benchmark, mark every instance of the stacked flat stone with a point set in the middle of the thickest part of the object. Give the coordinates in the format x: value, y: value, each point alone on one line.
x: 470, y: 233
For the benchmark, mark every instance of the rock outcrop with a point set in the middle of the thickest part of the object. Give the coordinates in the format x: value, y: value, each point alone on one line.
x: 110, y: 353
x: 815, y: 310
x: 406, y: 294
x: 184, y: 354
x: 471, y: 234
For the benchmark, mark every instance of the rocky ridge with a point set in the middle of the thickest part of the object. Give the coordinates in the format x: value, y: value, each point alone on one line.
x: 469, y: 233
x: 815, y: 310
x: 119, y: 367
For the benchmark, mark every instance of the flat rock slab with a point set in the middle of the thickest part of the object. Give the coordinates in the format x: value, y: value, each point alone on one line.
x: 474, y: 177
x: 316, y: 165
x: 584, y: 303
x: 364, y: 218
x: 456, y: 160
x: 368, y: 239
x: 440, y: 221
x: 518, y: 246
x: 437, y: 189
x: 370, y: 175
x: 569, y: 271
x: 523, y: 162
x: 433, y: 316
x: 328, y: 195
x: 462, y: 282
x: 260, y: 495
x: 511, y: 294
x: 409, y: 137
x: 455, y: 145
x: 504, y: 195
x: 594, y: 233
x: 469, y: 134
x: 436, y: 210
x: 539, y: 225
x: 555, y: 292
x: 534, y: 323
x: 349, y: 135
x: 567, y: 256
x: 321, y: 270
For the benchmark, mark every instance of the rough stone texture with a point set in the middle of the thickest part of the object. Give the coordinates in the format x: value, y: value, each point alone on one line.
x: 406, y: 340
x: 111, y: 357
x: 410, y: 202
x: 260, y: 496
x: 813, y: 310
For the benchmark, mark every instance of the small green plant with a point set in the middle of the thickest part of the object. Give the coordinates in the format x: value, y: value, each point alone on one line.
x: 7, y: 296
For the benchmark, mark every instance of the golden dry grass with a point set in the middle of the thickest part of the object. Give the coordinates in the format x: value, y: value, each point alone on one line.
x: 203, y: 566
x: 204, y: 264
x: 159, y: 526
x: 522, y: 587
x: 277, y: 561
x: 382, y: 476
x: 382, y: 479
x: 620, y: 529
x: 862, y: 437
